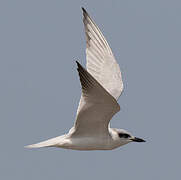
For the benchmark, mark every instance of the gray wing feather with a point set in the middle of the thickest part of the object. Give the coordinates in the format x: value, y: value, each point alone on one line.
x: 101, y: 63
x: 96, y: 107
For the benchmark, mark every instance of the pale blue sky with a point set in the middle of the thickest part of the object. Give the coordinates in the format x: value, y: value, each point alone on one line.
x: 40, y: 90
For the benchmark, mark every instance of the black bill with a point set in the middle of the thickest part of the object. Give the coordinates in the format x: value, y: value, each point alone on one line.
x: 135, y: 139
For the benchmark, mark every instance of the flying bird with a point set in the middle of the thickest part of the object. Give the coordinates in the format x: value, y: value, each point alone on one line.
x: 101, y: 85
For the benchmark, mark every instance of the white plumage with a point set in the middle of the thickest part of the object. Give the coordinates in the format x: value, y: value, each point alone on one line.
x: 101, y: 87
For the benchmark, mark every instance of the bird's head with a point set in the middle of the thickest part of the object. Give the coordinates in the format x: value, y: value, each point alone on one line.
x: 126, y: 137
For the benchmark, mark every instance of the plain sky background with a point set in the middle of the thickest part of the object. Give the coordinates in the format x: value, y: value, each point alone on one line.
x: 40, y: 90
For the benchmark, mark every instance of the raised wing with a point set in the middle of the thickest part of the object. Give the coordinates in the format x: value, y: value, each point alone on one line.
x: 96, y: 107
x: 101, y: 63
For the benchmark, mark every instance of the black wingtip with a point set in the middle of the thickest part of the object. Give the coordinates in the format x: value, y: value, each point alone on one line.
x: 77, y: 63
x: 80, y: 67
x: 83, y: 10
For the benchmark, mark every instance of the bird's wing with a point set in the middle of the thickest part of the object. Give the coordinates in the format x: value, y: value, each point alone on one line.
x: 96, y: 107
x: 101, y: 63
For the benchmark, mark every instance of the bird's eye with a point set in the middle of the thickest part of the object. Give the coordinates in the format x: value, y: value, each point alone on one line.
x: 123, y: 135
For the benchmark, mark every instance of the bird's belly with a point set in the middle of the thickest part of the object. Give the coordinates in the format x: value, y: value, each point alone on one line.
x: 87, y: 143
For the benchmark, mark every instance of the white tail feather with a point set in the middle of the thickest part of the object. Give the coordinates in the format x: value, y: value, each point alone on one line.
x: 48, y: 143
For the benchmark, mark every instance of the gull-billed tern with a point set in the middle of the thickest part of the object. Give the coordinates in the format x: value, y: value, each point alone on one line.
x: 101, y: 86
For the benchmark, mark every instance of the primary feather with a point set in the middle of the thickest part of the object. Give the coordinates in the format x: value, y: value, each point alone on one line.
x: 101, y: 63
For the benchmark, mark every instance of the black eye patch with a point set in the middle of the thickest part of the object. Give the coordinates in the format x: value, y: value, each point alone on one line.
x: 123, y: 135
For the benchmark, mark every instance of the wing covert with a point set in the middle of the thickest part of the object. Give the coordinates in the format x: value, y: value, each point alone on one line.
x: 96, y: 107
